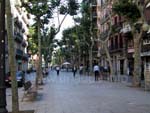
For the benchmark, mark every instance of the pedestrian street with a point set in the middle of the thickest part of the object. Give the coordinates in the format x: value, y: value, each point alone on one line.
x: 66, y: 94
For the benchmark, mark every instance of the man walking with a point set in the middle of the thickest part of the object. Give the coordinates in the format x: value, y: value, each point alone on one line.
x: 57, y: 70
x: 96, y: 71
x: 74, y: 70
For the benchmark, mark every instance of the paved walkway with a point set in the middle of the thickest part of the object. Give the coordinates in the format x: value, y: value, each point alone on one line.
x: 66, y: 94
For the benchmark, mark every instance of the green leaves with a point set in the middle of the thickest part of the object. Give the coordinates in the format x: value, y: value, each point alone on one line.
x: 73, y: 6
x: 70, y: 7
x: 55, y: 3
x: 128, y: 9
x: 32, y: 40
x: 63, y: 9
x: 40, y: 9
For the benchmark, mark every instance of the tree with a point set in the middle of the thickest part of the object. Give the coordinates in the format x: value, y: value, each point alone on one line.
x: 88, y: 31
x: 47, y: 43
x: 42, y: 10
x: 134, y: 15
x: 12, y: 63
x: 104, y: 38
x: 32, y: 40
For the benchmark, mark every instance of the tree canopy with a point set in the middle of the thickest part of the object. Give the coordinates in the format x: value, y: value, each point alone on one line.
x: 128, y: 9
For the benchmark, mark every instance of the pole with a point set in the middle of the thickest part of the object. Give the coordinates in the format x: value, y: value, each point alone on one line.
x: 2, y: 59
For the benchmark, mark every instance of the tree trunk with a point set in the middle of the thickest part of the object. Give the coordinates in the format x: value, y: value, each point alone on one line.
x: 12, y: 63
x: 40, y: 56
x: 110, y: 62
x: 137, y: 60
x: 79, y: 57
x: 91, y: 59
x: 125, y: 52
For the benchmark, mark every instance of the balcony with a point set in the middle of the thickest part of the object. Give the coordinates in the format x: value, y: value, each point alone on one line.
x: 18, y: 23
x: 24, y: 44
x: 19, y: 52
x: 25, y: 57
x: 18, y: 37
x: 114, y: 49
x: 146, y: 46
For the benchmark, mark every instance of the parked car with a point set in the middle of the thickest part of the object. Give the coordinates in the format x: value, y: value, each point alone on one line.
x: 19, y: 76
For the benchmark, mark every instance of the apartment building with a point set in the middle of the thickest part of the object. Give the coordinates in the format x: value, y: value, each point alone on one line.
x: 120, y: 42
x: 20, y: 26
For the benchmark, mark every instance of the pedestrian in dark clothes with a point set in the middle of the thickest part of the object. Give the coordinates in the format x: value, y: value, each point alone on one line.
x: 57, y: 70
x: 96, y: 71
x: 74, y: 70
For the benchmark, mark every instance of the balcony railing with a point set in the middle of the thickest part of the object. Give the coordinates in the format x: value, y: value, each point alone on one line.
x: 115, y: 49
x: 24, y: 44
x: 18, y: 37
x: 25, y: 57
x: 18, y: 23
x: 19, y: 52
x: 146, y: 46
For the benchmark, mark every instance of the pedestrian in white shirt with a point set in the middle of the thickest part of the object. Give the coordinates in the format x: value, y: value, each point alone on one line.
x: 57, y: 70
x: 96, y: 71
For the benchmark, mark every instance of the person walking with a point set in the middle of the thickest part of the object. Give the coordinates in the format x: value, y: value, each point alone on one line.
x: 57, y: 70
x: 81, y: 69
x: 74, y: 70
x: 96, y: 71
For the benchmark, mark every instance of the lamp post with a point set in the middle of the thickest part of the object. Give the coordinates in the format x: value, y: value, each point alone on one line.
x: 2, y: 58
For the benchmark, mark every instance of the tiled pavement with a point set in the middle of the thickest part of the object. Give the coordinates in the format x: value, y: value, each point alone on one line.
x: 66, y: 94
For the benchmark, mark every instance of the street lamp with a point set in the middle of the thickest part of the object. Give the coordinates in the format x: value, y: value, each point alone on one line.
x: 2, y: 58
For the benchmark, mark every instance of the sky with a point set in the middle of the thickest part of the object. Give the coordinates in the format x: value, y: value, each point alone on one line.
x: 68, y: 22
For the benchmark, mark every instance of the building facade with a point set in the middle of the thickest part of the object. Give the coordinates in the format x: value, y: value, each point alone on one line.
x: 20, y: 29
x: 120, y: 43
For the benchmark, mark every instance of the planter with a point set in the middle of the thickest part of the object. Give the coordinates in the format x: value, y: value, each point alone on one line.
x: 25, y: 111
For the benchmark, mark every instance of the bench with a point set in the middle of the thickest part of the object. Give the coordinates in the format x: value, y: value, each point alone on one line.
x: 29, y: 91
